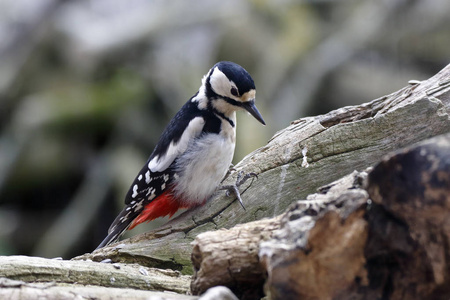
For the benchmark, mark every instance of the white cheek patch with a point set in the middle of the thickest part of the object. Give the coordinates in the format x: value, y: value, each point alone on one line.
x: 194, y: 128
x: 220, y: 83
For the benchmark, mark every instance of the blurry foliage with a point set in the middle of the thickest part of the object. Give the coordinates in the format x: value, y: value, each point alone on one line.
x: 86, y: 88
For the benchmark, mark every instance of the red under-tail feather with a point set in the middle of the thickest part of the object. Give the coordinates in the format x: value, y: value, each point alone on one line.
x: 164, y: 205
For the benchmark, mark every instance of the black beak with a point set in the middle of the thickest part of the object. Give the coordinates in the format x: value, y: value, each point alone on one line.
x: 251, y: 108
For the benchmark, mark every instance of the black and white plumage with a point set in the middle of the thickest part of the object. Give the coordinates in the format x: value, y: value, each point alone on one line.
x: 194, y: 152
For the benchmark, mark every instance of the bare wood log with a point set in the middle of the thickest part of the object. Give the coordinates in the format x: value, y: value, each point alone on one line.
x: 24, y: 277
x: 297, y: 161
x: 36, y: 269
x: 20, y: 290
x: 230, y: 258
x: 319, y: 251
x: 337, y: 244
x: 396, y: 247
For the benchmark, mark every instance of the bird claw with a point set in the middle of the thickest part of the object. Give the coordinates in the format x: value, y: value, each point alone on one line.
x: 242, y: 179
x: 234, y: 189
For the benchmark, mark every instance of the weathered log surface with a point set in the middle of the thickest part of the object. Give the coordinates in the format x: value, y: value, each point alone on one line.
x: 20, y: 290
x: 230, y: 257
x: 220, y: 260
x: 338, y: 244
x: 351, y: 248
x: 319, y: 251
x: 37, y: 269
x: 309, y: 153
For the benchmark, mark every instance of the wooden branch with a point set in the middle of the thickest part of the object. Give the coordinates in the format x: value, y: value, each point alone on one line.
x: 309, y: 153
x: 36, y: 269
x: 16, y: 290
x: 23, y: 277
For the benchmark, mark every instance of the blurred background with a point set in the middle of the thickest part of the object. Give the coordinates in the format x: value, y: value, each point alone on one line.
x: 86, y: 88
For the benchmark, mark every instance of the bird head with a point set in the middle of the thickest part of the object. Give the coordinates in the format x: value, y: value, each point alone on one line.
x: 230, y: 87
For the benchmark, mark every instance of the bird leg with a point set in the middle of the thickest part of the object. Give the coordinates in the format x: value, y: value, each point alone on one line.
x: 230, y: 170
x: 234, y: 189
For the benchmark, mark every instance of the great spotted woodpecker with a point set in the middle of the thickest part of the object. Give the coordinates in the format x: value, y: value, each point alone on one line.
x: 194, y: 152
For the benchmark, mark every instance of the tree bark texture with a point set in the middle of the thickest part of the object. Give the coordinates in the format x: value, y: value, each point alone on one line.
x: 230, y: 258
x: 411, y: 189
x: 314, y: 224
x: 83, y: 273
x: 381, y: 234
x: 20, y: 290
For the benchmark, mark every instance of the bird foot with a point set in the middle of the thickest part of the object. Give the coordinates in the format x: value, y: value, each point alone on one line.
x: 234, y: 189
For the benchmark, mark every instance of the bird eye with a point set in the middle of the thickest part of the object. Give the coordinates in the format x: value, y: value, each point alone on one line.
x: 234, y: 91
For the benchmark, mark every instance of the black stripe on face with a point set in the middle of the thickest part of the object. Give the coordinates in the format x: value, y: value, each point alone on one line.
x: 232, y: 101
x: 218, y: 113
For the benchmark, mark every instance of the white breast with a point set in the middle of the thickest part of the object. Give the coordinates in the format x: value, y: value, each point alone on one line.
x: 204, y: 164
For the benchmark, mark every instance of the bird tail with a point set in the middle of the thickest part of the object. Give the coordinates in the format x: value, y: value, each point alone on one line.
x: 164, y: 205
x: 118, y: 227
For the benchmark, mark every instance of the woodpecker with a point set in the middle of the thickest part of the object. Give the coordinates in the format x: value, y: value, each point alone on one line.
x: 194, y: 152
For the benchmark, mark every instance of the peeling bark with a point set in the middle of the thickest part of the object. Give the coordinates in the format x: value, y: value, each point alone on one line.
x: 412, y: 189
x: 377, y: 235
x: 230, y: 258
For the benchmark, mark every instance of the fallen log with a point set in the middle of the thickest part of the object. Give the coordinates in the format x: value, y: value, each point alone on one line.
x: 312, y: 223
x: 378, y: 234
